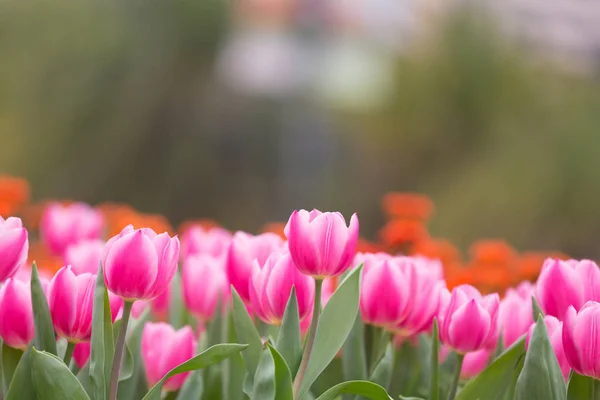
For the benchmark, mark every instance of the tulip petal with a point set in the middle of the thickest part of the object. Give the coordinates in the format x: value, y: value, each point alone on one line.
x: 469, y: 327
x: 62, y: 302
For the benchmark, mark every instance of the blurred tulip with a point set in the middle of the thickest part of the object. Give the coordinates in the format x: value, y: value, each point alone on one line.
x: 329, y: 286
x: 555, y: 334
x: 84, y: 256
x: 197, y: 240
x: 138, y: 308
x: 580, y: 340
x: 164, y: 348
x: 62, y: 226
x: 244, y: 249
x: 515, y: 315
x: 470, y: 321
x: 475, y: 362
x: 16, y: 314
x: 159, y: 306
x: 14, y: 245
x: 81, y: 354
x: 271, y: 286
x: 139, y: 264
x: 321, y: 244
x: 204, y: 285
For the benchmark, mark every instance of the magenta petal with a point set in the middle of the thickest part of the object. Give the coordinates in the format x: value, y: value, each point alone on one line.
x: 62, y: 301
x: 302, y: 245
x: 350, y: 248
x: 469, y: 328
x: 569, y: 341
x: 167, y: 249
x: 330, y: 235
x: 13, y: 247
x: 16, y: 324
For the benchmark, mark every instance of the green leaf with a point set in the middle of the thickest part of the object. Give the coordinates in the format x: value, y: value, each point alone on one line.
x: 354, y: 358
x: 176, y: 307
x: 366, y: 389
x: 536, y: 310
x: 21, y: 385
x: 410, y: 398
x: 127, y: 363
x: 102, y: 347
x: 264, y: 379
x: 83, y: 376
x: 52, y: 379
x: 289, y: 341
x: 211, y: 356
x: 434, y: 388
x: 541, y: 377
x: 582, y: 387
x: 44, y: 338
x: 494, y: 381
x: 246, y: 333
x: 382, y: 372
x: 10, y: 360
x: 214, y: 326
x: 334, y: 325
x: 135, y: 386
x: 283, y: 377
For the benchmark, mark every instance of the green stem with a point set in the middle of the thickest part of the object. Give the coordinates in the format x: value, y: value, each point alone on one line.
x: 69, y: 353
x: 119, y: 347
x: 310, y: 341
x: 454, y: 387
x: 381, y: 338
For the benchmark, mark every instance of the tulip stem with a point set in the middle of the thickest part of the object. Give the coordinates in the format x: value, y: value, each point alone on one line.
x: 310, y: 340
x: 119, y: 346
x: 454, y: 387
x: 69, y: 353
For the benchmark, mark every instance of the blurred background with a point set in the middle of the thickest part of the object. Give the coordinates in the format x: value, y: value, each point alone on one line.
x: 243, y: 110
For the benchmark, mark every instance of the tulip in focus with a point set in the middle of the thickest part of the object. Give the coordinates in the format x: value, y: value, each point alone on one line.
x: 163, y: 348
x: 139, y: 264
x: 580, y: 340
x: 271, y: 286
x: 475, y: 362
x: 204, y: 285
x: 14, y: 245
x: 62, y: 226
x: 515, y: 315
x: 84, y: 256
x: 16, y: 314
x: 197, y: 240
x: 555, y: 334
x: 81, y: 354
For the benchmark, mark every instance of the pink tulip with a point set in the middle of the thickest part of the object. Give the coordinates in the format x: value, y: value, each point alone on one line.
x: 14, y: 246
x: 62, y: 226
x: 271, y: 286
x: 475, y: 362
x: 555, y: 334
x: 580, y: 339
x: 160, y: 305
x: 244, y: 249
x: 139, y: 264
x: 321, y: 244
x: 81, y: 354
x: 16, y: 314
x: 85, y: 256
x: 138, y: 308
x: 329, y: 286
x: 515, y: 316
x: 204, y: 285
x: 164, y: 348
x: 197, y: 240
x: 470, y: 321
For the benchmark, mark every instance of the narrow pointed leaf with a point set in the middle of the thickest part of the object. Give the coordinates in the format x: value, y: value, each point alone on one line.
x: 434, y: 387
x: 10, y: 360
x: 21, y: 385
x: 366, y: 389
x: 382, y: 372
x: 44, y: 338
x: 354, y: 359
x: 582, y: 387
x: 264, y: 380
x: 127, y: 363
x: 246, y: 333
x: 536, y: 310
x: 130, y: 388
x: 283, y: 377
x: 52, y: 379
x: 289, y: 341
x: 176, y: 308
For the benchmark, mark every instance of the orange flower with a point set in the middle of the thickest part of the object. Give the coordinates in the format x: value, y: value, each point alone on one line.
x: 492, y: 251
x: 403, y: 232
x: 44, y: 260
x: 530, y: 264
x: 440, y: 249
x: 407, y: 205
x: 14, y: 193
x: 119, y: 216
x: 365, y: 246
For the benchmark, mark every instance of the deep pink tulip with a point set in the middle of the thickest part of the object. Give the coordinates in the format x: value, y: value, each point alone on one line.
x: 175, y: 348
x: 271, y: 286
x: 84, y: 256
x: 580, y: 339
x: 475, y: 362
x: 244, y: 249
x: 470, y: 321
x: 515, y: 315
x: 204, y: 285
x: 14, y: 246
x: 555, y: 333
x: 62, y: 226
x: 321, y: 244
x: 16, y: 314
x: 139, y: 264
x: 81, y: 354
x: 197, y: 240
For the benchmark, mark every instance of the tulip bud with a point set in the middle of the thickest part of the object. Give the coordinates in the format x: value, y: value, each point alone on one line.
x: 159, y: 306
x: 14, y: 246
x: 475, y: 362
x: 555, y: 334
x: 197, y: 240
x: 139, y: 264
x: 244, y: 249
x: 84, y: 256
x: 580, y: 340
x: 16, y: 314
x: 271, y: 286
x: 62, y: 226
x: 515, y: 315
x: 204, y: 285
x: 321, y: 244
x: 81, y: 354
x: 164, y: 348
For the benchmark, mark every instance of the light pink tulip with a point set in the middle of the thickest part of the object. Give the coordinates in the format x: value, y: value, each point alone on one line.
x: 244, y: 249
x: 515, y: 315
x: 271, y: 286
x: 580, y: 339
x: 321, y: 244
x: 329, y: 286
x: 139, y: 264
x: 85, y: 256
x: 81, y: 354
x: 197, y: 240
x: 204, y: 285
x: 62, y: 226
x: 159, y: 306
x: 164, y: 348
x: 138, y: 308
x: 470, y: 321
x: 475, y: 362
x: 16, y: 314
x: 555, y: 329
x: 14, y: 246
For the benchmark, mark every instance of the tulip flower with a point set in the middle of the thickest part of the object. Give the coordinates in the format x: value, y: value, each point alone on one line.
x: 470, y: 321
x: 160, y: 305
x: 244, y: 249
x: 321, y: 244
x: 62, y: 226
x: 197, y: 240
x: 271, y: 286
x: 164, y: 348
x: 475, y: 362
x: 329, y: 286
x: 204, y: 285
x: 515, y: 315
x: 84, y: 256
x: 14, y: 246
x: 81, y: 354
x: 580, y: 340
x: 16, y: 314
x: 139, y: 264
x: 555, y: 334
